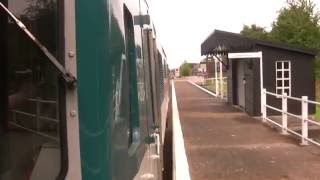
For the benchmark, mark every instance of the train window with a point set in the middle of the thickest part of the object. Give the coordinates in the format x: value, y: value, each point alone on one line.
x: 30, y: 110
x: 131, y: 78
x: 161, y: 83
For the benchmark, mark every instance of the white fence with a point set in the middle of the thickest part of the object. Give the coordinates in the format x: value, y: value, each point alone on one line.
x: 304, y: 117
x: 218, y: 86
x: 38, y: 118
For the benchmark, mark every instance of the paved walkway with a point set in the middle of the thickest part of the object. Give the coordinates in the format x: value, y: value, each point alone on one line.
x: 225, y: 143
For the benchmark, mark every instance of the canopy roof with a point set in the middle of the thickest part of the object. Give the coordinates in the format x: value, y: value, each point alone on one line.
x: 222, y: 41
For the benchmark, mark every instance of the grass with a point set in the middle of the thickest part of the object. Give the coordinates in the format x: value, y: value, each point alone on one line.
x: 211, y: 86
x: 317, y: 99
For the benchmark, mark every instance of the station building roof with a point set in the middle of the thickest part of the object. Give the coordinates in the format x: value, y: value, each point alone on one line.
x: 223, y: 41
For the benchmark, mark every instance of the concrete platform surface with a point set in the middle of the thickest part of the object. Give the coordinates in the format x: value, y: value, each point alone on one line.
x: 222, y: 142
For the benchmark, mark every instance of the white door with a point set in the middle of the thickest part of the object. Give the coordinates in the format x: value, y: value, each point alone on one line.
x: 241, y: 83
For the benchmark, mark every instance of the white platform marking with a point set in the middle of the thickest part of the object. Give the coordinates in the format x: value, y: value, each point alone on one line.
x: 180, y: 162
x: 203, y: 89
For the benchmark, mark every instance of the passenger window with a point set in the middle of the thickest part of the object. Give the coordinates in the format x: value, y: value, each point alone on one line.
x: 30, y: 110
x: 160, y: 76
x: 131, y: 79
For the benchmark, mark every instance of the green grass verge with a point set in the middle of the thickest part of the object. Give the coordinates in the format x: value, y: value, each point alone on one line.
x: 317, y: 113
x: 317, y: 116
x: 211, y: 86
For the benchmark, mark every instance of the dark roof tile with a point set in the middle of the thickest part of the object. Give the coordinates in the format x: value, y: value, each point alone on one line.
x: 233, y: 42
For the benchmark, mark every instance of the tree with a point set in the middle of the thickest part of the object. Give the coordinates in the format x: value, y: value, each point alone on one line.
x: 298, y: 24
x: 255, y: 31
x: 185, y: 69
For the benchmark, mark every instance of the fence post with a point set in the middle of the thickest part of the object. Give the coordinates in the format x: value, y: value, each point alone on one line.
x: 284, y: 114
x: 14, y: 116
x: 38, y: 113
x: 304, y: 120
x: 58, y: 118
x: 203, y: 81
x: 263, y: 105
x: 212, y: 83
x: 216, y: 76
x: 221, y: 80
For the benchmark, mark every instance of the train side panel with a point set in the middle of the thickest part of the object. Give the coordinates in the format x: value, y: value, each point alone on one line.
x: 116, y: 90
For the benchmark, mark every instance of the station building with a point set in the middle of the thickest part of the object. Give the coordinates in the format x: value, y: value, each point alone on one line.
x: 285, y: 69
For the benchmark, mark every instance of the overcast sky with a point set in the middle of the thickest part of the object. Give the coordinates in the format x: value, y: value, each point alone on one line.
x: 182, y: 25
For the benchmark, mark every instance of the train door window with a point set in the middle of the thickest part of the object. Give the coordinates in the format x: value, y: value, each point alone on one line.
x: 161, y: 83
x: 131, y: 78
x: 30, y: 110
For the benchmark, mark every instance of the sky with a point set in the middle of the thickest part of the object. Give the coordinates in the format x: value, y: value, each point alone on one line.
x: 182, y: 25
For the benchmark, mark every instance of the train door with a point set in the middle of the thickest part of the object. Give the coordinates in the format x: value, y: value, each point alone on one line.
x: 126, y: 137
x: 31, y: 115
x: 151, y: 163
x: 131, y: 79
x: 148, y: 79
x: 153, y: 73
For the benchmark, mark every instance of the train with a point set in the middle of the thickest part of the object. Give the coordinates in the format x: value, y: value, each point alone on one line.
x: 84, y: 90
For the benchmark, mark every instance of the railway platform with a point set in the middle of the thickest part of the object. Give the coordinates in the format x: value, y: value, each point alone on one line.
x: 222, y: 142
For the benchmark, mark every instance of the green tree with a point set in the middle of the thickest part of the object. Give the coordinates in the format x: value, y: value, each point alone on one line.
x: 298, y: 24
x: 255, y: 31
x: 185, y: 69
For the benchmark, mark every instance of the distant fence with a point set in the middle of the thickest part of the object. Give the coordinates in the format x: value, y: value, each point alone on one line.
x: 38, y: 119
x: 219, y: 86
x: 304, y: 117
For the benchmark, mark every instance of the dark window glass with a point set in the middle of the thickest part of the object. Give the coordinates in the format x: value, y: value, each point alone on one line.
x: 279, y: 91
x: 286, y: 83
x: 286, y: 74
x: 131, y: 79
x: 279, y: 74
x: 279, y: 65
x: 279, y: 83
x: 160, y: 76
x: 286, y: 64
x: 287, y: 91
x: 30, y: 119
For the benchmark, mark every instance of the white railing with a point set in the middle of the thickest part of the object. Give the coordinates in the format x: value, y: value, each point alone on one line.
x: 218, y: 86
x: 38, y: 118
x: 304, y: 117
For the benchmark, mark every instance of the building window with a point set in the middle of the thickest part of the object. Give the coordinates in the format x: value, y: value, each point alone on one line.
x: 283, y: 77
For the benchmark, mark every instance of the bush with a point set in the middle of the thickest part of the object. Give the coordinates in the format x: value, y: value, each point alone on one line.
x: 185, y: 70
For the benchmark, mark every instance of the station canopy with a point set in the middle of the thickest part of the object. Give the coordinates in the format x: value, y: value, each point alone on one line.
x: 221, y: 42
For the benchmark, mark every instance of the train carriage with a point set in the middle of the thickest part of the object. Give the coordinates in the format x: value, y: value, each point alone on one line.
x: 84, y: 90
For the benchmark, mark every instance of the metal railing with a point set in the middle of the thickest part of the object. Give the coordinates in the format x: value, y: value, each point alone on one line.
x: 304, y: 117
x: 219, y: 86
x: 38, y: 118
